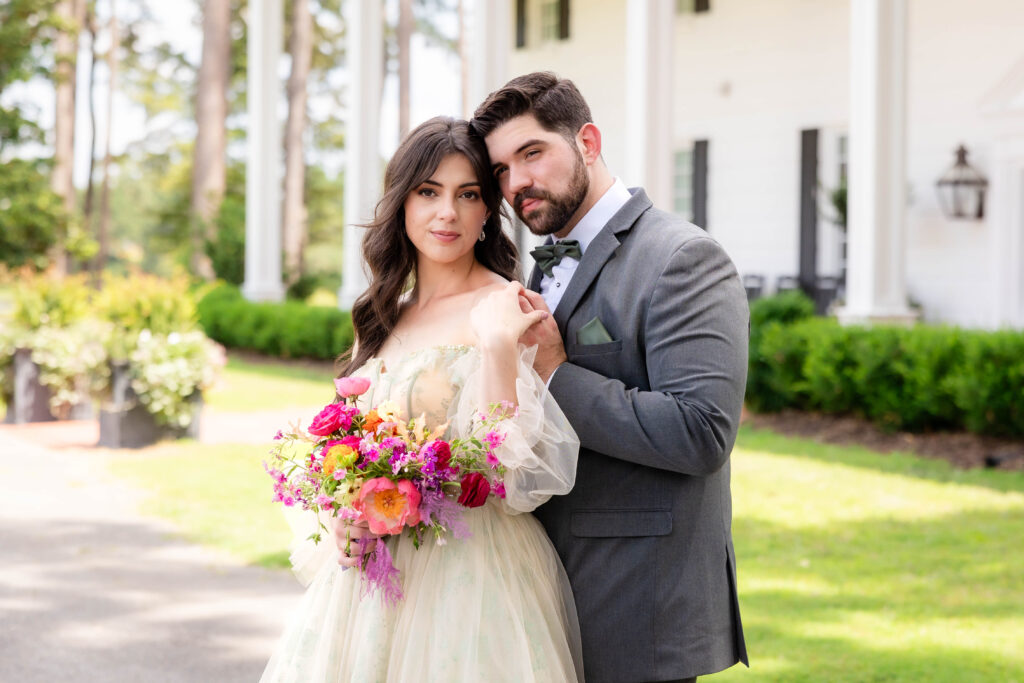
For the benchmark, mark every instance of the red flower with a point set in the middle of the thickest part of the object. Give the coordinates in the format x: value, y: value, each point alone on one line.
x: 475, y: 488
x: 443, y: 453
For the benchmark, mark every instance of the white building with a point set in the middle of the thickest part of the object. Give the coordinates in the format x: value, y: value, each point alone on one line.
x: 759, y: 100
x: 742, y: 114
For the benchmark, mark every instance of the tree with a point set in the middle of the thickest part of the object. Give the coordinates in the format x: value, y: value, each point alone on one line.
x: 103, y: 230
x: 71, y: 14
x: 209, y: 169
x: 293, y: 223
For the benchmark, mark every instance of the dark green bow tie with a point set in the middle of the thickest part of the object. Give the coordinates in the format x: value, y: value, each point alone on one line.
x: 550, y: 255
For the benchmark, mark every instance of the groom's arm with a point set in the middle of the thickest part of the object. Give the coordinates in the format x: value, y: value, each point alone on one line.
x: 696, y: 333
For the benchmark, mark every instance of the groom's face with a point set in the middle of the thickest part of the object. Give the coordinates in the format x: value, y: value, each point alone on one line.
x: 541, y: 175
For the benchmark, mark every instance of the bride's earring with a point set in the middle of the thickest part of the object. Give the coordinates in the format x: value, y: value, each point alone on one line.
x: 483, y: 232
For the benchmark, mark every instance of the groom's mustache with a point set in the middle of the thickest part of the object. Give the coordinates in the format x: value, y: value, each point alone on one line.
x: 528, y: 193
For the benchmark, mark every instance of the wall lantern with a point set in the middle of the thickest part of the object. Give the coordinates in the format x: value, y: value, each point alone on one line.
x: 962, y: 189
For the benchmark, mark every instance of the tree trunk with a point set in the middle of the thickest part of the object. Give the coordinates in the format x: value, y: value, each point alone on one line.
x: 293, y: 220
x: 112, y: 59
x: 87, y: 207
x: 209, y: 166
x: 405, y: 23
x: 71, y: 12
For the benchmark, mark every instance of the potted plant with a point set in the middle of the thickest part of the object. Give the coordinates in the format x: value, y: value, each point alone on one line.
x: 159, y: 361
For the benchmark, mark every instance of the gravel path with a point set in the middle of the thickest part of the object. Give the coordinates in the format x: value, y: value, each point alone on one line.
x: 92, y: 590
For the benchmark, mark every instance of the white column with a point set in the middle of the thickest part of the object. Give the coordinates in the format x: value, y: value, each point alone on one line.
x: 263, y: 155
x: 488, y: 25
x: 365, y: 47
x: 650, y: 28
x: 876, y: 252
x: 1004, y: 208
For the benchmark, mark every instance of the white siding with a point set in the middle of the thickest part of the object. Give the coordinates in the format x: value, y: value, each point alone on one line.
x: 750, y: 75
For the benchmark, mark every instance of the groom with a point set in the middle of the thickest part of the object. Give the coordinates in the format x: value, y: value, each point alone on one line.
x: 646, y: 353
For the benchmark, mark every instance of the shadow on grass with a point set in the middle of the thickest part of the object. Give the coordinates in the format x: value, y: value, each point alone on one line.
x: 935, y: 600
x: 290, y: 370
x: 906, y: 464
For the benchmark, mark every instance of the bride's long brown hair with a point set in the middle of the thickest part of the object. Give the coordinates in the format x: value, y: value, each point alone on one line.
x: 387, y: 251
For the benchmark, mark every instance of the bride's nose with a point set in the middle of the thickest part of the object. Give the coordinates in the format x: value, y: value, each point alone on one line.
x: 446, y: 211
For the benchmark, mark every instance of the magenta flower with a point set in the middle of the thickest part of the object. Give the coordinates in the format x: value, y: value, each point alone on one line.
x: 334, y: 417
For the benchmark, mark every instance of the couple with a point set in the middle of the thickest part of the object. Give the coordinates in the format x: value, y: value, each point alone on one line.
x: 627, y: 360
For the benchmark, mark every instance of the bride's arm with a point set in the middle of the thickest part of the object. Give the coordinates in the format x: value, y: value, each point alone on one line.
x: 499, y: 321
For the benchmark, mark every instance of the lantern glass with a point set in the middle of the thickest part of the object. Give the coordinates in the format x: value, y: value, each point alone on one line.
x: 962, y: 189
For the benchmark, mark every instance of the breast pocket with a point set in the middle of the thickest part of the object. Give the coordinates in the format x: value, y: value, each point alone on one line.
x: 597, y: 349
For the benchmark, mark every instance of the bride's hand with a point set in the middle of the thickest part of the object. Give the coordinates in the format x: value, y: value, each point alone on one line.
x: 346, y: 537
x: 499, y: 319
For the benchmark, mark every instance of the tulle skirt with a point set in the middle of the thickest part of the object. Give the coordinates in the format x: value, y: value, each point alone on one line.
x: 492, y: 607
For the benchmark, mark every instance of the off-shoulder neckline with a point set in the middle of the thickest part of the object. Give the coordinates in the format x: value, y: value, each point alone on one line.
x: 403, y: 358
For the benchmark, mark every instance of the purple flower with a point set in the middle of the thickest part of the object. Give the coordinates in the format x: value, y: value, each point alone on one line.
x: 379, y: 573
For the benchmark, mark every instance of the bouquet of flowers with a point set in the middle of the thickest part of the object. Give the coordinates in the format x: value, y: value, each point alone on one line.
x: 396, y: 475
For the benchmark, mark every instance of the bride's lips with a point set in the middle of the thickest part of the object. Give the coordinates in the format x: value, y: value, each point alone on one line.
x: 444, y: 235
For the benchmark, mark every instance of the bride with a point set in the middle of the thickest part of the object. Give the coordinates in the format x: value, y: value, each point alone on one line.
x: 495, y: 606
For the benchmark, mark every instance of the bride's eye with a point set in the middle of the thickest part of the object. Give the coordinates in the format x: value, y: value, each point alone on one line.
x: 471, y: 194
x: 427, y: 192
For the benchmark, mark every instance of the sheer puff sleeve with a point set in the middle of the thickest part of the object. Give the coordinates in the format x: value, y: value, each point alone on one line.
x: 540, y: 448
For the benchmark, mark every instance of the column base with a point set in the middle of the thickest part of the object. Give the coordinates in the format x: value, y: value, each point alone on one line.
x: 904, y: 317
x: 263, y: 292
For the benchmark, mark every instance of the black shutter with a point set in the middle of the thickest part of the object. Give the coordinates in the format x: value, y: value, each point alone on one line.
x: 563, y: 19
x: 520, y: 23
x: 808, y: 209
x: 702, y: 6
x: 700, y: 183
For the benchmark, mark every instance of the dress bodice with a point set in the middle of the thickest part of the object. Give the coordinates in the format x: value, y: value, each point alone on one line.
x: 422, y: 382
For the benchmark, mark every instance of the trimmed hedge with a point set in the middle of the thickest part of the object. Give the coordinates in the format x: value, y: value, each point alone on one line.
x: 288, y: 330
x: 917, y: 378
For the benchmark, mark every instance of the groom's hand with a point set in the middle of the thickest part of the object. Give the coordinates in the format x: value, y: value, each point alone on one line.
x: 346, y: 537
x: 543, y: 334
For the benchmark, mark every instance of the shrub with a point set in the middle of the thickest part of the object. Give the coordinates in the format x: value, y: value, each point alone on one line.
x: 988, y: 385
x: 918, y: 378
x: 290, y: 329
x: 766, y: 379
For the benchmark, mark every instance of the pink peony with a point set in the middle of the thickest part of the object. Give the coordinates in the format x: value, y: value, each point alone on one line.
x: 351, y: 386
x: 387, y: 505
x: 333, y: 417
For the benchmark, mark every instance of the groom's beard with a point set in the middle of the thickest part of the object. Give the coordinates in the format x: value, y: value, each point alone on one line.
x: 557, y: 209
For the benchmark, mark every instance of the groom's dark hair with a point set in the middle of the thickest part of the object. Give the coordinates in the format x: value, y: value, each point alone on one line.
x: 555, y: 102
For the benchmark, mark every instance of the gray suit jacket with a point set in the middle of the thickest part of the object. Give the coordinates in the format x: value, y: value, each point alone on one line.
x: 645, y: 535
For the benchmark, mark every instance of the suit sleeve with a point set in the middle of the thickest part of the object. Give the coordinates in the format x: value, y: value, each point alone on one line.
x: 695, y: 335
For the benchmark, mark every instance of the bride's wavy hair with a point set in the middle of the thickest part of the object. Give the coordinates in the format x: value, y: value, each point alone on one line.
x: 387, y: 250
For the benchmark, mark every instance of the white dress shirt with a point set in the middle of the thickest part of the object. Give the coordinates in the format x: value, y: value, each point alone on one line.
x: 552, y: 288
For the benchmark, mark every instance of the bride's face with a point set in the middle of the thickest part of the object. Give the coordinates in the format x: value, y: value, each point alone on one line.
x: 445, y: 213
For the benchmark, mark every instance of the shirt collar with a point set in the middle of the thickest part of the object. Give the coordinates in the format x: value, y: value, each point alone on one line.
x: 614, y: 198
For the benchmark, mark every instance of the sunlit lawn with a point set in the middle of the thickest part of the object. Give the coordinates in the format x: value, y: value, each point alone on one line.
x: 853, y: 566
x: 246, y: 385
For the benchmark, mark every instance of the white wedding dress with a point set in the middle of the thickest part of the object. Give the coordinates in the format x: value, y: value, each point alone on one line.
x: 492, y: 607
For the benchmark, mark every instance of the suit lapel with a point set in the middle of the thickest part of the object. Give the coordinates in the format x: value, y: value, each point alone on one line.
x: 597, y: 254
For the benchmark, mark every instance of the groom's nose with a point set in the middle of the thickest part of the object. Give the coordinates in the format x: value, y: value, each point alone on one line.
x: 518, y: 180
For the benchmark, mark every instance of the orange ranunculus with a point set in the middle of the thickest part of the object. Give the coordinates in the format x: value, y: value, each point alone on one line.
x: 373, y: 420
x: 387, y: 505
x: 338, y: 455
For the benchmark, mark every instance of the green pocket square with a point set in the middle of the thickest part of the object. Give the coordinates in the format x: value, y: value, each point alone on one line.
x: 593, y: 333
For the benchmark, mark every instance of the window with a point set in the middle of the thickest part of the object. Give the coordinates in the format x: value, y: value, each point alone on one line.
x: 841, y: 157
x: 692, y: 6
x: 682, y: 183
x: 554, y: 20
x: 520, y: 23
x: 690, y: 183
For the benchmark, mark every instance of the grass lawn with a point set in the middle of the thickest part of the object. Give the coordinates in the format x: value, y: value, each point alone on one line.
x: 853, y: 566
x: 251, y: 385
x: 217, y: 494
